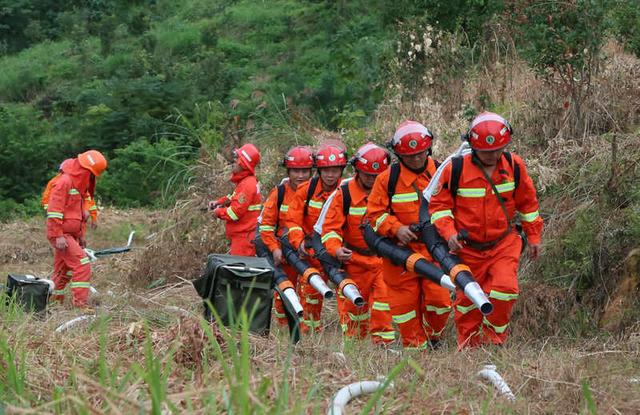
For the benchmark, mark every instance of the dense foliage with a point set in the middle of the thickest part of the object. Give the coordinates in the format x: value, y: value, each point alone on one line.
x: 150, y: 82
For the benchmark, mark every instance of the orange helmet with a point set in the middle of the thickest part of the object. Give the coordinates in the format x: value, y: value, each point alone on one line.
x: 489, y: 132
x: 248, y: 157
x: 298, y: 157
x: 411, y: 137
x: 94, y: 161
x: 330, y: 156
x: 370, y: 159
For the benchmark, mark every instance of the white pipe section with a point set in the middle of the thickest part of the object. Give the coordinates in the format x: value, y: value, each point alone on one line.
x: 489, y: 373
x: 474, y: 292
x: 130, y: 240
x: 90, y: 254
x: 351, y: 292
x: 320, y: 286
x: 446, y: 282
x: 73, y: 322
x: 351, y: 391
x: 291, y: 295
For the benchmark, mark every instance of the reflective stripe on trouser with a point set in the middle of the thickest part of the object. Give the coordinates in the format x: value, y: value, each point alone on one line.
x: 418, y: 305
x: 374, y: 319
x: 496, y: 272
x: 242, y: 243
x: 311, y: 302
x: 72, y: 260
x: 278, y: 305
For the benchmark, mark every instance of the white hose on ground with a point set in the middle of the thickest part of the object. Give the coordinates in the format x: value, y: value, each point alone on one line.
x: 344, y: 395
x: 489, y: 373
x: 74, y: 322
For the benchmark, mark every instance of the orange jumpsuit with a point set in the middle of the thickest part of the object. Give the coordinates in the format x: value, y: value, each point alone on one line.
x: 300, y: 226
x: 240, y: 211
x: 65, y: 218
x: 272, y: 227
x: 419, y: 307
x: 477, y: 210
x: 89, y: 205
x: 364, y: 267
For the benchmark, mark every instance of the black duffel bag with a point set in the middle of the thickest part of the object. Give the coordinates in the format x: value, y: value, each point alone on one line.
x: 233, y: 283
x: 28, y: 291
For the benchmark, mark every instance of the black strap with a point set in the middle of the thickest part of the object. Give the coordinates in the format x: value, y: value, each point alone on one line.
x: 456, y: 171
x: 312, y: 188
x: 346, y: 198
x: 516, y: 169
x: 280, y: 188
x: 394, y: 175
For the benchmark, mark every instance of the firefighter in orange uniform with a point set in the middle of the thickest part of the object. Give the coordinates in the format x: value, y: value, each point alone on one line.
x: 90, y: 203
x: 492, y: 188
x: 299, y: 164
x: 303, y: 213
x: 419, y: 307
x: 240, y: 210
x: 339, y: 225
x: 66, y: 221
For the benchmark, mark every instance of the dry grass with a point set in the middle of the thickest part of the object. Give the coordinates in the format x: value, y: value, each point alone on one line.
x: 103, y: 367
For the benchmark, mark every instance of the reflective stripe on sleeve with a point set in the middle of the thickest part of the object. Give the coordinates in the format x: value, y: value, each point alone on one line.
x: 232, y: 214
x: 529, y: 217
x: 380, y: 220
x: 331, y: 235
x: 441, y: 214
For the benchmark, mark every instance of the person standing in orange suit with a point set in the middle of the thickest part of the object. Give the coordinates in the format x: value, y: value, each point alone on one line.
x: 419, y: 307
x: 303, y: 213
x: 66, y: 225
x: 491, y: 190
x: 240, y: 210
x: 299, y: 164
x: 339, y: 225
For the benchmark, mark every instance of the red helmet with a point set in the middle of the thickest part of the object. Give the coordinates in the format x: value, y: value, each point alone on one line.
x: 371, y: 159
x: 411, y: 137
x: 248, y: 156
x: 298, y: 157
x: 93, y: 161
x: 489, y: 132
x: 330, y: 156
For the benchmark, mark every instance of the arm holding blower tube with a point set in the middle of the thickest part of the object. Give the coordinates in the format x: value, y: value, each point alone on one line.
x: 285, y: 289
x: 415, y: 262
x: 309, y: 274
x: 332, y: 268
x: 450, y: 263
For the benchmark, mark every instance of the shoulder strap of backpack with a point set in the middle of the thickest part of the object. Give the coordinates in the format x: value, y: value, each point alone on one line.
x: 346, y: 198
x: 312, y: 188
x: 394, y: 174
x: 516, y: 168
x: 281, y: 189
x: 456, y: 171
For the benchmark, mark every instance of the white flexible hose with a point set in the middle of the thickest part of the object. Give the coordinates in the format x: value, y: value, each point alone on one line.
x: 73, y: 322
x: 351, y: 391
x: 489, y: 373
